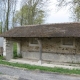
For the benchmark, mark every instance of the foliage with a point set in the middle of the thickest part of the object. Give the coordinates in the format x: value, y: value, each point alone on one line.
x: 30, y: 13
x: 76, y: 10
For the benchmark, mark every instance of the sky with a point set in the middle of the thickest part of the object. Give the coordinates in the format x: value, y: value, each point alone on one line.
x: 54, y: 15
x: 58, y: 15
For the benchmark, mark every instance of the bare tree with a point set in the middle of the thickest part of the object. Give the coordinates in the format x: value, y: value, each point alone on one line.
x: 7, y: 15
x: 13, y: 11
x: 7, y: 9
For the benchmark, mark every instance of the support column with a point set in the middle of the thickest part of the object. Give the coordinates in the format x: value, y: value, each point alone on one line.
x: 18, y: 49
x: 4, y: 48
x: 9, y: 49
x: 40, y: 52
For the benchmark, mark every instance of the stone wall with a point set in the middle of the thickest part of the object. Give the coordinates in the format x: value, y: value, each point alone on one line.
x: 1, y: 50
x: 52, y: 50
x: 60, y: 57
x: 54, y: 45
x: 9, y: 49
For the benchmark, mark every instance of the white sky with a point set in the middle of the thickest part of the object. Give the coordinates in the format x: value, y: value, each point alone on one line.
x: 55, y: 15
x: 58, y: 16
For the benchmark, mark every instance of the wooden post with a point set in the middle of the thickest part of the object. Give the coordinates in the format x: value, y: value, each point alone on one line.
x: 40, y: 51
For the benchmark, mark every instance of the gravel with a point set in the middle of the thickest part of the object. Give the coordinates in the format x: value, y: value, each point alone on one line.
x: 9, y: 73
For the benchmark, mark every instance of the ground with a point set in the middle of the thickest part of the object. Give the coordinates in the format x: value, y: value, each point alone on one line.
x: 10, y: 73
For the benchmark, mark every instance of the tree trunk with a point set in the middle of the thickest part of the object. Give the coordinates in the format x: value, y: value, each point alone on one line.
x: 7, y: 16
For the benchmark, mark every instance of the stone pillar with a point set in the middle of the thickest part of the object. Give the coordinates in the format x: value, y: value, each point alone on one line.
x: 9, y: 50
x: 18, y: 49
x: 40, y: 52
x: 4, y: 47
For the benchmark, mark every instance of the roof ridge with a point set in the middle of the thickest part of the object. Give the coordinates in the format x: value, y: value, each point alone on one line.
x: 48, y: 24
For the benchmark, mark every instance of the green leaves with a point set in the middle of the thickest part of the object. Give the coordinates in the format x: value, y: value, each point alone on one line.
x: 30, y: 13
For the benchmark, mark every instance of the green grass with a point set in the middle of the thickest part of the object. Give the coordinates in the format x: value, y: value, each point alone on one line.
x: 41, y: 68
x: 1, y: 57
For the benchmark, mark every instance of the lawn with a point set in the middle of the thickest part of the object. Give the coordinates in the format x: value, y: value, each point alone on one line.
x: 41, y: 68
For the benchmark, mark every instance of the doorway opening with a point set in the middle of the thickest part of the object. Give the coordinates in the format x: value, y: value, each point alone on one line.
x: 15, y: 50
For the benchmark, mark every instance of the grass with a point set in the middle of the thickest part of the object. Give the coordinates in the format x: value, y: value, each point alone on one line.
x: 1, y: 58
x: 41, y: 68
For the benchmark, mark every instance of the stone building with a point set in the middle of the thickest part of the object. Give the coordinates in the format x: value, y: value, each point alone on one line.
x: 48, y: 42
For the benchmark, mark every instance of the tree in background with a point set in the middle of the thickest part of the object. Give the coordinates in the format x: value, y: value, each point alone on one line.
x: 0, y: 27
x: 76, y: 10
x: 2, y: 14
x: 24, y: 18
x: 75, y: 6
x: 31, y: 12
x: 7, y: 9
x: 7, y: 15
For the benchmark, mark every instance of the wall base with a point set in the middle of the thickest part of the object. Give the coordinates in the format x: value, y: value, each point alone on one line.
x: 53, y: 57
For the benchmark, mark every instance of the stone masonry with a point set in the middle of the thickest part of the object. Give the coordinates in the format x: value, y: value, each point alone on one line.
x: 52, y: 50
